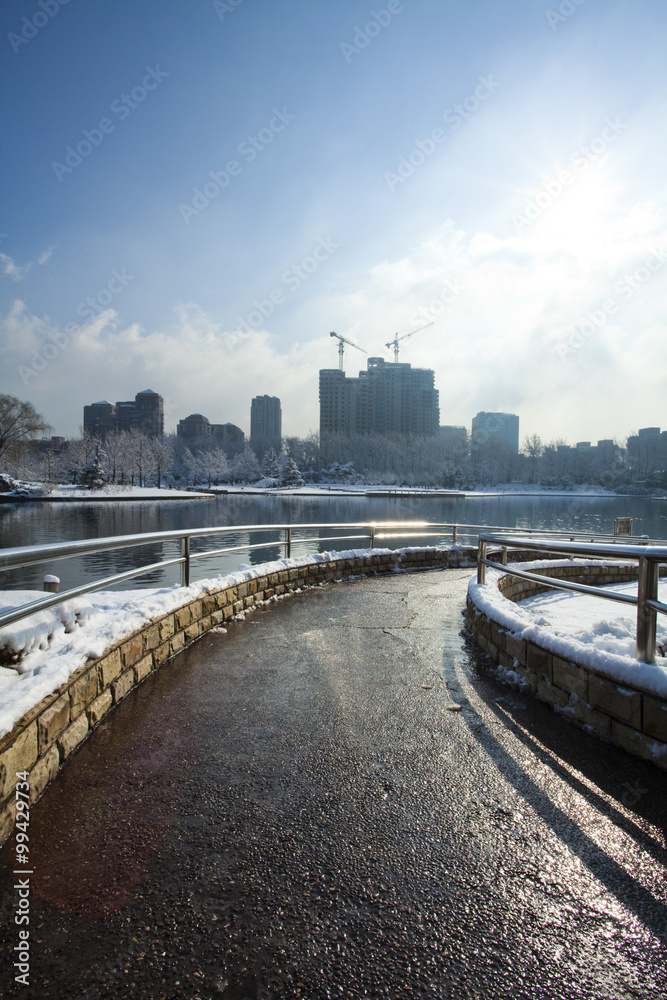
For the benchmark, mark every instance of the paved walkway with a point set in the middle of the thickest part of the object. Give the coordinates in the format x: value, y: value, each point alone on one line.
x: 300, y: 808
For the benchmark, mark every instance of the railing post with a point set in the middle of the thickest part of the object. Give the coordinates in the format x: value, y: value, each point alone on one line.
x: 185, y: 566
x: 455, y: 533
x: 504, y: 557
x: 288, y: 543
x: 51, y: 584
x: 647, y: 590
x: 372, y: 536
x: 481, y: 554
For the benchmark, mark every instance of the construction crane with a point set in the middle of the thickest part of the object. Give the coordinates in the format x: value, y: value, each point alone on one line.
x: 395, y: 342
x: 341, y: 348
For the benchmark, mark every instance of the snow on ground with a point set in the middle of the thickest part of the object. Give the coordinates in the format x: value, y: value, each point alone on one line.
x: 591, y: 630
x: 121, y: 493
x: 56, y: 642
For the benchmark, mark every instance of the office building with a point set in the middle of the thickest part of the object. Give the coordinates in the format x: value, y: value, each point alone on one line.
x: 144, y: 413
x: 490, y: 428
x: 265, y: 424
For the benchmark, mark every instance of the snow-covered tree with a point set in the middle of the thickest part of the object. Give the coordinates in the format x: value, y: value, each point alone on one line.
x: 290, y: 475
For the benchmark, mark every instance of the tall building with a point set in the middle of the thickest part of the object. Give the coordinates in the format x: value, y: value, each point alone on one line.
x: 490, y: 427
x: 228, y: 437
x: 387, y: 398
x: 266, y: 424
x: 144, y: 413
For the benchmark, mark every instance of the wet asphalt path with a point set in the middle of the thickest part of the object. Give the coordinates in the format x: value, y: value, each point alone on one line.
x: 294, y: 810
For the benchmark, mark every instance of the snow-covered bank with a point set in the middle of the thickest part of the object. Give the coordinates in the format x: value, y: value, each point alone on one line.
x: 589, y: 630
x: 61, y: 493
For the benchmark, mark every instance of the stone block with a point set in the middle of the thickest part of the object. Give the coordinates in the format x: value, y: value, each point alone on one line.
x: 83, y: 691
x: 262, y: 583
x: 99, y: 708
x: 122, y: 686
x: 627, y: 738
x: 228, y: 612
x: 282, y: 577
x: 208, y: 604
x: 43, y: 772
x: 293, y: 573
x: 252, y: 586
x: 162, y: 653
x: 177, y: 642
x: 655, y: 717
x: 20, y: 755
x: 132, y: 650
x: 621, y: 703
x: 280, y: 589
x: 585, y: 715
x: 248, y: 601
x: 7, y: 818
x: 52, y: 722
x: 570, y: 677
x: 166, y: 627
x: 143, y: 668
x: 242, y: 591
x: 259, y: 596
x: 238, y: 607
x: 195, y: 611
x: 151, y: 638
x: 204, y: 624
x: 109, y: 668
x: 192, y: 632
x: 216, y: 617
x: 269, y: 593
x: 516, y: 648
x: 549, y: 693
x: 73, y: 735
x: 182, y: 618
x: 539, y: 660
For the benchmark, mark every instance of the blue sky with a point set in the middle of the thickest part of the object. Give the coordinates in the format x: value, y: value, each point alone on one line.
x: 197, y: 192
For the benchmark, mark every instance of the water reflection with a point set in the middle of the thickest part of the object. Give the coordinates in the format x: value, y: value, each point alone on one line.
x: 35, y: 523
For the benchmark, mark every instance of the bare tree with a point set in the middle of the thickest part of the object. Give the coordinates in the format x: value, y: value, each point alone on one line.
x: 19, y: 422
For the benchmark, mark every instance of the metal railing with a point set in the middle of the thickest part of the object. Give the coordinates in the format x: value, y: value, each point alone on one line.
x: 648, y: 557
x: 373, y: 532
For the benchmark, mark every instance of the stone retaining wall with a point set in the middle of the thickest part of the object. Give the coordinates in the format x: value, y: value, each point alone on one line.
x: 46, y: 736
x: 624, y: 714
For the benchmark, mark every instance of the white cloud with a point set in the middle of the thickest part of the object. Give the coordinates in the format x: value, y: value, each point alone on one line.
x: 501, y: 306
x: 18, y: 272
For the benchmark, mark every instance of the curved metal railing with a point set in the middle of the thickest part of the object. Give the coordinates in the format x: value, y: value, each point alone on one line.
x: 648, y: 558
x: 372, y: 532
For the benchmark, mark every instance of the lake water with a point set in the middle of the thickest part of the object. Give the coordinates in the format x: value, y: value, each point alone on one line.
x: 39, y: 523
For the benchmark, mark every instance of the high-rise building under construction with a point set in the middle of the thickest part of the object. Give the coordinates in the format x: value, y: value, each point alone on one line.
x: 387, y: 398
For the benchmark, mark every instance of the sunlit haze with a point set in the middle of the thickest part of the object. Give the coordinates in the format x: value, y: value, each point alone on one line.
x: 196, y: 193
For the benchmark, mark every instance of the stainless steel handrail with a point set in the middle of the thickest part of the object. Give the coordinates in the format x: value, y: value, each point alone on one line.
x: 648, y: 558
x: 28, y: 555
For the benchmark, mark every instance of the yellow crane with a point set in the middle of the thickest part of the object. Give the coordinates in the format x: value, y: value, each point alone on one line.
x: 395, y: 342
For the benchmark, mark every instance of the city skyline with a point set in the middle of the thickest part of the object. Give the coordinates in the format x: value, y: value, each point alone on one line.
x: 198, y: 194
